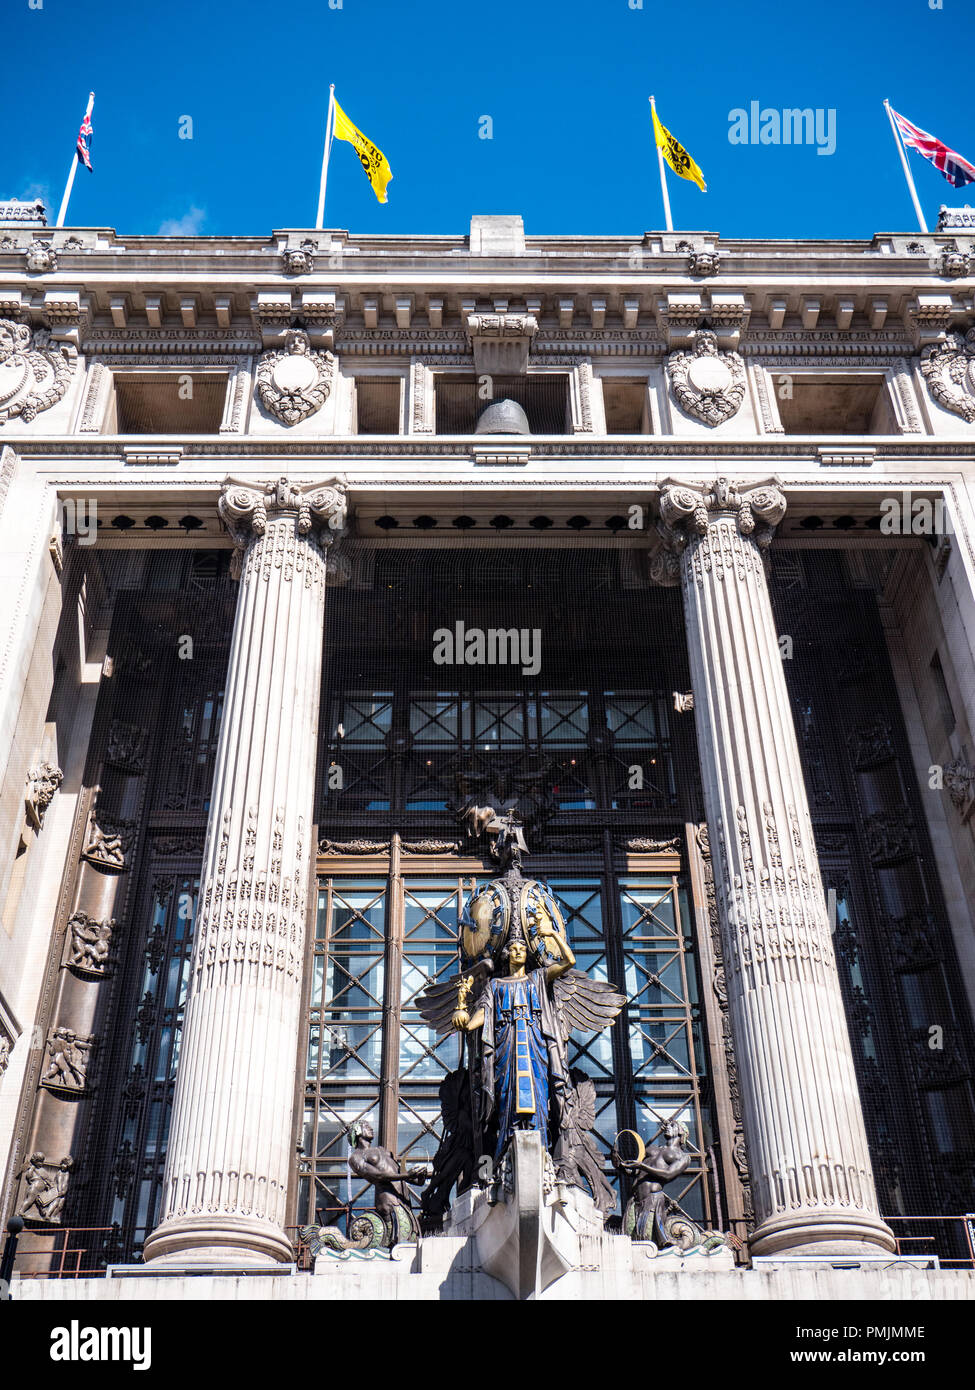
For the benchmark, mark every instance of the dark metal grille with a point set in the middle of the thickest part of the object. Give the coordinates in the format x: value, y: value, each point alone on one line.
x: 657, y: 1076
x: 544, y: 399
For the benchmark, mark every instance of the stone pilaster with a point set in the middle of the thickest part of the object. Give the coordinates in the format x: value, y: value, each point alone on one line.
x: 230, y: 1156
x: 807, y: 1147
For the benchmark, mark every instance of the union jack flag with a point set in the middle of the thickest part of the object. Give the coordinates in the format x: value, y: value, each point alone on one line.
x: 956, y: 170
x: 84, y: 142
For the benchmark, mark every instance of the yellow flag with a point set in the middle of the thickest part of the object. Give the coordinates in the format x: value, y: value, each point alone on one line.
x: 675, y: 154
x: 371, y: 157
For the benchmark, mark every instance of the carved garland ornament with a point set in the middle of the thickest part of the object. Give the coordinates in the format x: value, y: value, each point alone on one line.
x: 33, y: 375
x: 949, y: 370
x: 295, y: 382
x: 708, y: 384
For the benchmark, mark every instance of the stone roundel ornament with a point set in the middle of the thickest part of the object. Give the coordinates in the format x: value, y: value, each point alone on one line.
x: 295, y: 381
x: 708, y: 384
x: 33, y: 375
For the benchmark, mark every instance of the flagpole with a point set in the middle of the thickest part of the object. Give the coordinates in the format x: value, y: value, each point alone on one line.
x: 907, y: 168
x: 663, y: 175
x: 329, y: 125
x: 74, y: 169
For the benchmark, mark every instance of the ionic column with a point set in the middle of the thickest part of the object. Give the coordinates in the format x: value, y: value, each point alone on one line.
x: 230, y: 1156
x: 807, y: 1147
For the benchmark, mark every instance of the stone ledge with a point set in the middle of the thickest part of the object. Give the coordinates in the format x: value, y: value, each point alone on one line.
x: 893, y: 1281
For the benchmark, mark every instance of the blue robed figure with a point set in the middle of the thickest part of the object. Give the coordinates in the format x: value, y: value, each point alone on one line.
x: 523, y: 1071
x: 517, y: 1000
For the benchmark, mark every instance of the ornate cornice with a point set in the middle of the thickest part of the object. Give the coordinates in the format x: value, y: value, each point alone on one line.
x: 163, y: 342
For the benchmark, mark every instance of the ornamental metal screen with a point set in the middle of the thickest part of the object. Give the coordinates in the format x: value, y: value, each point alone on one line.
x: 647, y: 1070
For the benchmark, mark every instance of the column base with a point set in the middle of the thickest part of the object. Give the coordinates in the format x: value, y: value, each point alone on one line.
x: 821, y: 1235
x: 212, y: 1241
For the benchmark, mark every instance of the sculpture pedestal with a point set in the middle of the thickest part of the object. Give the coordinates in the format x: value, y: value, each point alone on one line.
x: 529, y: 1237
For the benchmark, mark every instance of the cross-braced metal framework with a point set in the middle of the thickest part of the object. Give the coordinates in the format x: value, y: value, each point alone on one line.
x: 368, y: 1051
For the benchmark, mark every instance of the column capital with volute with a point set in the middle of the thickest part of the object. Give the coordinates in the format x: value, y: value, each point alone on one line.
x: 317, y: 511
x: 689, y: 510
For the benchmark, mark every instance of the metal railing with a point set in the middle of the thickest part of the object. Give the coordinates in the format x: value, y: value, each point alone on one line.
x: 72, y: 1252
x: 933, y: 1242
x: 950, y: 1239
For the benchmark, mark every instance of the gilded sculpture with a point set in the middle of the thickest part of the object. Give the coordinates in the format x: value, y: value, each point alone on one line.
x: 515, y: 1001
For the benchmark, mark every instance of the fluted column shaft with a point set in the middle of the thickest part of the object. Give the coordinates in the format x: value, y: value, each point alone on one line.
x: 807, y: 1148
x: 230, y: 1157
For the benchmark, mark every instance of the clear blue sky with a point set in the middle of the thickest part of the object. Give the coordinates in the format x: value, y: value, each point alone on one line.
x: 565, y: 83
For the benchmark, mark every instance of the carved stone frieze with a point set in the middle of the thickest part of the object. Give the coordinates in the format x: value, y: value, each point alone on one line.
x: 871, y: 745
x: 643, y: 845
x: 233, y: 420
x: 43, y: 781
x: 30, y: 211
x: 904, y: 398
x: 91, y: 415
x: 127, y: 746
x: 353, y: 846
x: 431, y: 846
x: 889, y: 836
x: 88, y: 944
x: 69, y: 1055
x: 959, y: 780
x: 177, y: 844
x: 938, y: 1066
x: 708, y: 384
x: 34, y: 375
x: 914, y: 939
x: 45, y: 1188
x: 109, y: 841
x: 296, y: 381
x: 173, y: 345
x: 723, y: 514
x: 949, y: 370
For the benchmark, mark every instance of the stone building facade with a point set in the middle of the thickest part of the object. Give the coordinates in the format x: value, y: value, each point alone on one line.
x: 269, y: 592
